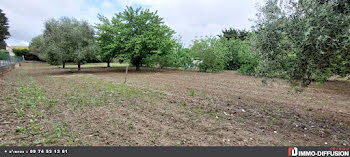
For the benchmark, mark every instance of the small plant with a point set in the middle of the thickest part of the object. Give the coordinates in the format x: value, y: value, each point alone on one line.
x: 155, y: 137
x: 20, y: 129
x: 131, y: 127
x: 33, y: 126
x: 192, y: 92
x: 52, y: 103
x: 58, y: 130
x: 71, y: 140
x: 19, y: 111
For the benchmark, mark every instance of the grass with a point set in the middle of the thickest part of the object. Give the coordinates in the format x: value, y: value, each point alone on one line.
x: 94, y: 65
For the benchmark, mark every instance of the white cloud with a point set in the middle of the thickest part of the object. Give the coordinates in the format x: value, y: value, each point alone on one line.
x: 26, y: 18
x: 189, y: 18
x: 24, y: 43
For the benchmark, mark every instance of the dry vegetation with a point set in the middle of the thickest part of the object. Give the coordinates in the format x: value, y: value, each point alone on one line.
x: 46, y: 105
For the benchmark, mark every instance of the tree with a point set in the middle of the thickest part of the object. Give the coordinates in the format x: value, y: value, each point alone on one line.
x: 176, y: 57
x: 25, y: 53
x: 142, y: 33
x: 68, y: 39
x: 239, y: 55
x: 211, y: 53
x: 84, y: 43
x: 37, y: 46
x: 307, y: 39
x: 107, y: 39
x: 232, y: 33
x: 4, y: 33
x: 271, y: 43
x: 180, y: 57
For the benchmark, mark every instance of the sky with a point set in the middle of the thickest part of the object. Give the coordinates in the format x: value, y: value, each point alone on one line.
x: 190, y: 19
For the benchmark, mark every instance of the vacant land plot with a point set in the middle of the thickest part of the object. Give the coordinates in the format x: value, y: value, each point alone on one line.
x: 46, y: 105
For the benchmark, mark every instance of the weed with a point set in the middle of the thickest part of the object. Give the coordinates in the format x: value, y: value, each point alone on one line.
x: 264, y: 82
x: 131, y: 127
x: 33, y: 126
x: 71, y: 139
x: 155, y: 137
x: 19, y: 111
x: 20, y: 129
x: 52, y: 102
x: 342, y: 125
x: 59, y: 130
x: 192, y: 92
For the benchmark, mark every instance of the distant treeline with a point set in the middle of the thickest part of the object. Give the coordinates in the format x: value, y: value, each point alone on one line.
x: 301, y: 41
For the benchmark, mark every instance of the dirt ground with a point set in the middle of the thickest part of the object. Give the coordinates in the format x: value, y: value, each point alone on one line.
x: 47, y: 105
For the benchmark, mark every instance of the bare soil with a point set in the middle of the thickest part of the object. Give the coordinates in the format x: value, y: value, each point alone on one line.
x: 169, y: 107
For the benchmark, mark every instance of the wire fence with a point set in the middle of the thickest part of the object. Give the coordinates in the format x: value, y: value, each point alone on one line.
x: 7, y: 60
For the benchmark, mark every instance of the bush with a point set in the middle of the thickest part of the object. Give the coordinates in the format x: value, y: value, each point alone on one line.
x: 210, y: 52
x: 4, y: 52
x: 233, y: 47
x: 239, y: 56
x: 4, y: 56
x: 179, y: 57
x: 26, y: 53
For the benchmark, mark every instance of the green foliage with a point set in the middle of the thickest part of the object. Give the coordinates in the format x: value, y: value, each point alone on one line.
x: 239, y: 56
x: 178, y: 57
x: 26, y: 53
x: 4, y: 52
x: 142, y: 32
x: 4, y: 56
x: 234, y: 34
x: 68, y: 39
x: 304, y: 40
x: 191, y: 92
x: 4, y: 29
x: 38, y: 47
x: 20, y: 52
x: 107, y: 40
x: 248, y: 62
x: 210, y: 52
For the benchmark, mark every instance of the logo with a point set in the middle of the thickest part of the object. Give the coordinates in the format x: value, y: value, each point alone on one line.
x: 293, y: 151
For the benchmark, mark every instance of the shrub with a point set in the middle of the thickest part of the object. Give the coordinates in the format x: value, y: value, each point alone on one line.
x: 26, y: 53
x: 4, y: 52
x: 247, y: 61
x: 179, y: 57
x: 239, y: 56
x: 211, y: 53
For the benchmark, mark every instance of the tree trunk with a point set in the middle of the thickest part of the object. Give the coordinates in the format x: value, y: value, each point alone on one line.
x: 137, y: 62
x: 137, y: 67
x: 126, y: 73
x: 64, y: 65
x: 78, y: 66
x: 108, y: 64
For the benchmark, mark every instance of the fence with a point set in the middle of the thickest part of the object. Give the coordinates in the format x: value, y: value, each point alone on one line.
x: 7, y: 62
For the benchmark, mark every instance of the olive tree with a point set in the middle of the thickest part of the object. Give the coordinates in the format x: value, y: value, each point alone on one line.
x: 38, y: 47
x: 308, y: 40
x: 69, y: 40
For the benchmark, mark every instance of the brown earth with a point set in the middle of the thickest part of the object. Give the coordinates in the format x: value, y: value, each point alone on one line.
x: 169, y: 107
